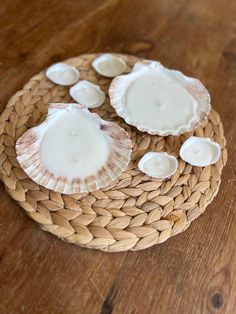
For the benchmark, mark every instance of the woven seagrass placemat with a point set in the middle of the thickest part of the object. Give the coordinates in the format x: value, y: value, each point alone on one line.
x: 132, y: 213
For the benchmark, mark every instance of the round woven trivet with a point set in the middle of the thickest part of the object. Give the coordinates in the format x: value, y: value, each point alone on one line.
x: 132, y: 213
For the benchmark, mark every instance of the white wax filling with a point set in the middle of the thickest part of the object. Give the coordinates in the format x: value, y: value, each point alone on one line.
x: 159, y: 103
x: 159, y: 166
x: 74, y: 146
x: 110, y: 67
x: 63, y: 76
x: 87, y: 95
x: 201, y: 153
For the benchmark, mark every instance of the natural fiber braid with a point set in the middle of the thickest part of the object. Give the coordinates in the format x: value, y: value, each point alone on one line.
x: 132, y: 213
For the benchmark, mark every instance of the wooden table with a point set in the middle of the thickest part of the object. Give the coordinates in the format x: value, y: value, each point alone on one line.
x: 194, y: 272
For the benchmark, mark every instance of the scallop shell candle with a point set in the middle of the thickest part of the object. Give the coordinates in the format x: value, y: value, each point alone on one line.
x: 158, y: 100
x: 73, y: 150
x: 62, y: 74
x: 158, y: 165
x: 109, y: 65
x: 87, y: 94
x: 200, y: 152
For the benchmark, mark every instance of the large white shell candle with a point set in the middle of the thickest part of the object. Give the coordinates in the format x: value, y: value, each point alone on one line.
x: 74, y: 150
x: 87, y: 94
x: 62, y: 74
x: 109, y: 65
x: 158, y: 100
x: 158, y: 165
x: 200, y: 152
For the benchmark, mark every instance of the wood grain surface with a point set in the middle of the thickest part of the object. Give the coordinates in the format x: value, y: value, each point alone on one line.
x: 194, y: 272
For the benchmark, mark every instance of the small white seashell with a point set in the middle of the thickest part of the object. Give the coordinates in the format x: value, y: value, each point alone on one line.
x: 158, y: 100
x: 200, y: 152
x: 73, y: 150
x: 87, y: 94
x: 158, y: 165
x: 62, y: 74
x: 109, y: 65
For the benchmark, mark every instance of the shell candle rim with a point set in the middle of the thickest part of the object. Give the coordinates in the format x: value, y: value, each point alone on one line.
x: 163, y: 167
x: 110, y: 161
x: 167, y: 113
x: 93, y: 96
x: 104, y: 65
x: 208, y: 153
x: 69, y: 74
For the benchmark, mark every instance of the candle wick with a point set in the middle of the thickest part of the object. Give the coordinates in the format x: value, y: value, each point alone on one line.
x: 159, y: 105
x: 76, y: 160
x: 73, y: 133
x: 158, y: 163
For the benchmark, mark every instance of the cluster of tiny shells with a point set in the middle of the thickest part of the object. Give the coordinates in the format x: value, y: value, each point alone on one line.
x: 196, y: 151
x: 85, y: 92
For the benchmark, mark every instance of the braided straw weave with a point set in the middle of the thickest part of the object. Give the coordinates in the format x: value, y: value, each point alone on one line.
x: 132, y: 213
